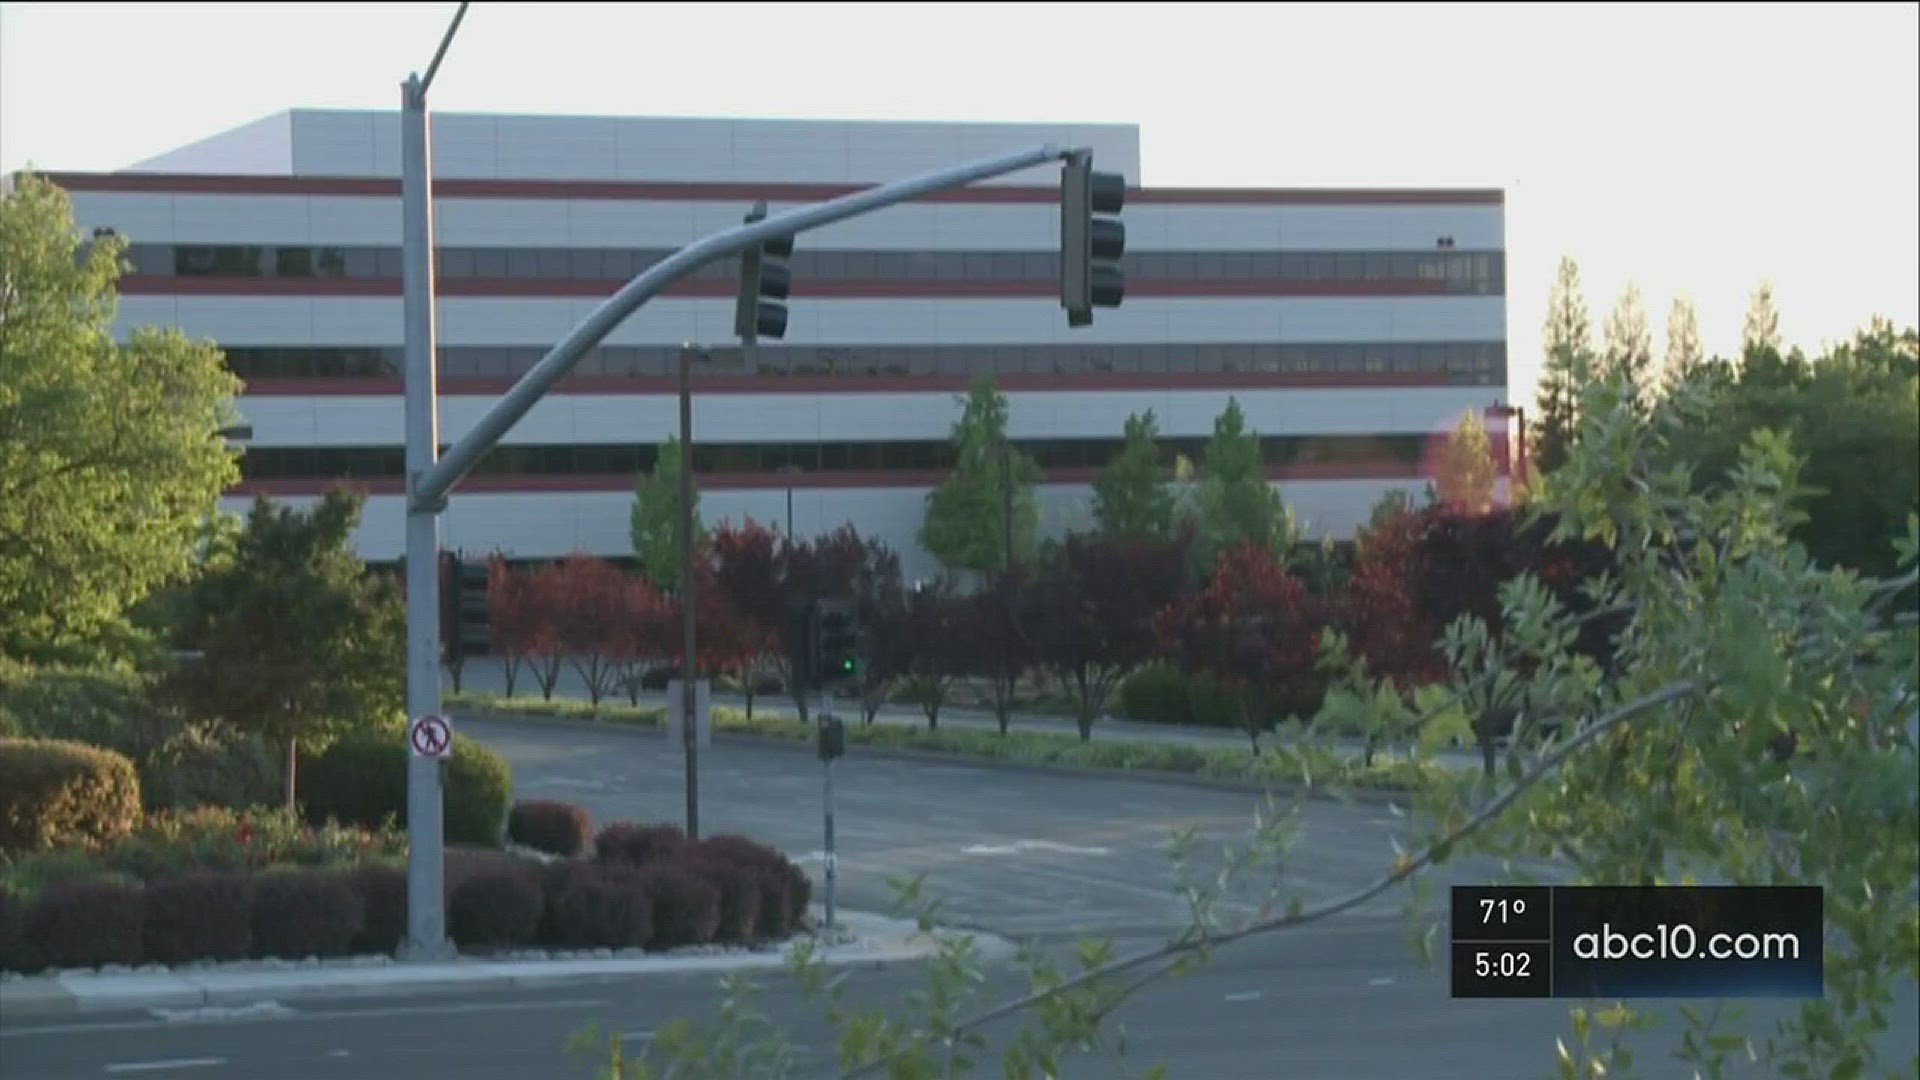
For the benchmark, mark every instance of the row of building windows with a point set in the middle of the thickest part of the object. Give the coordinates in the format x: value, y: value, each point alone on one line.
x: 1474, y: 363
x: 387, y: 462
x: 1469, y: 273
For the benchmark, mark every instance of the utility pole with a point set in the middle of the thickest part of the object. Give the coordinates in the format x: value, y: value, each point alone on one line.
x: 689, y: 738
x: 426, y: 860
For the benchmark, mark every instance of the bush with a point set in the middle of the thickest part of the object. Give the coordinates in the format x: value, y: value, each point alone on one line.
x: 639, y: 845
x: 383, y: 903
x: 86, y: 924
x: 1165, y: 693
x: 206, y: 915
x: 217, y: 839
x: 199, y: 766
x: 686, y: 907
x: 362, y: 780
x: 305, y: 913
x: 499, y: 910
x: 784, y: 888
x: 98, y: 706
x: 591, y: 906
x: 556, y: 828
x: 54, y: 792
x: 739, y: 893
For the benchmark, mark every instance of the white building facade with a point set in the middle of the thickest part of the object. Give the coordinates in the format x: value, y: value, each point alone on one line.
x: 1354, y: 327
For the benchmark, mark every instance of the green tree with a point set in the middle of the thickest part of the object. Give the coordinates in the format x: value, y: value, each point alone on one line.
x: 1684, y: 352
x: 1760, y: 331
x: 1669, y: 768
x: 1131, y: 497
x: 1466, y: 473
x: 1234, y: 501
x: 988, y: 494
x: 1629, y: 343
x: 1853, y: 413
x: 111, y: 456
x: 294, y: 638
x: 1568, y: 365
x: 655, y: 521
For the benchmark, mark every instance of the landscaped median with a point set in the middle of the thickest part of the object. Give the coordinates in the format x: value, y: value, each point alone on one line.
x: 1318, y: 769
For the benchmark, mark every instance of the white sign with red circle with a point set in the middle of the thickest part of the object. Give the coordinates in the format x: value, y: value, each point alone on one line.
x: 431, y: 736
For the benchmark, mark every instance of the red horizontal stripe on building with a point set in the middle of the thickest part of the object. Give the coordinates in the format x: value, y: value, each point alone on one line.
x: 714, y: 288
x: 666, y: 191
x: 841, y: 479
x: 861, y: 384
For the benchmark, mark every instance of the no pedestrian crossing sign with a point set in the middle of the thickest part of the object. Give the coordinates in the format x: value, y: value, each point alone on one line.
x: 431, y: 736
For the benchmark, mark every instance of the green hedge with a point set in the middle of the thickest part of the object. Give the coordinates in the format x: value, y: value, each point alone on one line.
x: 1164, y: 693
x: 180, y: 764
x: 362, y: 780
x: 1315, y: 768
x: 54, y: 792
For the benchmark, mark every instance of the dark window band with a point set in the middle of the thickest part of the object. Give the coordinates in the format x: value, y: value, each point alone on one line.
x: 1478, y: 363
x: 386, y: 462
x: 1476, y: 273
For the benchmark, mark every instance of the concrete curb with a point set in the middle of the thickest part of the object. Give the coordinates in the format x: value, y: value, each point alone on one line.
x: 885, y: 942
x: 1362, y: 796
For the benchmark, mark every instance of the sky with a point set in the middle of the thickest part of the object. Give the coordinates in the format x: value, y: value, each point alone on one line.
x: 1683, y: 148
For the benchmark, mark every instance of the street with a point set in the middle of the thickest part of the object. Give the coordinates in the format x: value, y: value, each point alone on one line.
x: 1344, y: 1001
x: 1028, y: 856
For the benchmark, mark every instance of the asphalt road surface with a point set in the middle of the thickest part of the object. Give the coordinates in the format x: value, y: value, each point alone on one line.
x: 1035, y: 857
x: 1016, y: 853
x: 1345, y: 1001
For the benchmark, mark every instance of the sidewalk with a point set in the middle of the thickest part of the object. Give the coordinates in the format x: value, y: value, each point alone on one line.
x: 865, y: 940
x: 486, y: 678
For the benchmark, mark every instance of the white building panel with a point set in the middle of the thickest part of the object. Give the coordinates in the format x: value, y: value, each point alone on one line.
x: 354, y: 220
x: 562, y: 147
x: 141, y: 217
x: 547, y: 525
x: 255, y: 320
x: 263, y: 147
x: 868, y: 417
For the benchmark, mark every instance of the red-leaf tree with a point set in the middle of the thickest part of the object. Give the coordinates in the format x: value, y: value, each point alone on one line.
x: 1090, y: 612
x: 747, y: 569
x: 1256, y: 629
x: 590, y: 619
x: 992, y: 641
x: 507, y: 618
x: 1376, y: 609
x: 544, y: 598
x: 928, y: 636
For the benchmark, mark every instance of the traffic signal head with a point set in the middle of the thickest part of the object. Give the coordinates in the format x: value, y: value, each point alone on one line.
x: 836, y: 641
x: 760, y: 310
x: 1090, y: 246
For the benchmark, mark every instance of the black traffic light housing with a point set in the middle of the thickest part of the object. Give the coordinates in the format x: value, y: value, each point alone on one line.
x: 760, y: 311
x: 836, y: 642
x: 1090, y: 246
x: 465, y: 629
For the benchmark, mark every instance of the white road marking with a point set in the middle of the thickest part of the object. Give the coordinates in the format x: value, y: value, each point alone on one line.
x: 1384, y: 980
x: 172, y: 1063
x: 1019, y: 847
x: 1246, y: 995
x: 339, y: 1053
x: 289, y: 1016
x: 636, y: 1036
x: 259, y: 1010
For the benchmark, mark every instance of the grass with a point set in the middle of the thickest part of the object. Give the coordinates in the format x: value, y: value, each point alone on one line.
x: 1284, y: 765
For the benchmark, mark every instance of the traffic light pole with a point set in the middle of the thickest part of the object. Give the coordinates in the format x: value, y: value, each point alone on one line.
x: 431, y: 477
x: 426, y: 865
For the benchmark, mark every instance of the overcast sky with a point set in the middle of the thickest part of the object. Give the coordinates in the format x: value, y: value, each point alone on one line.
x: 1686, y: 148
